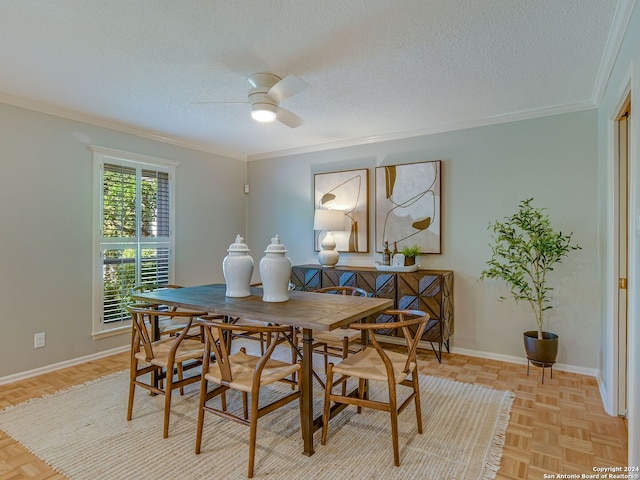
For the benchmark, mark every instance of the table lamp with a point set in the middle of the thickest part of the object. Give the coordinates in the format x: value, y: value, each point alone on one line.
x: 328, y: 220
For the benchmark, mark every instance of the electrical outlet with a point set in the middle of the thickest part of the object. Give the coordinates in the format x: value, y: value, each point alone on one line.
x: 38, y: 340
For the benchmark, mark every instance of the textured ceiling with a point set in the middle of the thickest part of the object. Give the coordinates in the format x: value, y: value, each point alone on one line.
x: 375, y: 68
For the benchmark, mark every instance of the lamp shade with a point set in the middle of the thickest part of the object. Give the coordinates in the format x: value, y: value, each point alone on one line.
x: 329, y: 220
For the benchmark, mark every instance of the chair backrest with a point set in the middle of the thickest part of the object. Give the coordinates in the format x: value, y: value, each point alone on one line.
x: 418, y: 322
x: 151, y: 287
x: 141, y: 322
x: 344, y: 290
x: 218, y: 339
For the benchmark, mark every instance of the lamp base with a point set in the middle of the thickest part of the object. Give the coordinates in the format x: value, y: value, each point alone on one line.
x: 328, y: 258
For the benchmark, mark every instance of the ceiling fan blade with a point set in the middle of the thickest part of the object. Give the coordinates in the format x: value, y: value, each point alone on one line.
x: 288, y: 118
x: 219, y: 103
x: 287, y: 87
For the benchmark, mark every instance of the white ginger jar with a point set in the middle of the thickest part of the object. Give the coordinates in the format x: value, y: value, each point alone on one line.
x: 275, y: 272
x: 237, y: 268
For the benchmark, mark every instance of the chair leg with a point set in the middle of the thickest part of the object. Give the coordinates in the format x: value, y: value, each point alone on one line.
x: 394, y: 426
x: 294, y: 359
x: 301, y: 405
x: 327, y: 401
x: 416, y: 389
x: 361, y: 391
x: 326, y: 357
x: 244, y: 394
x: 203, y: 400
x: 345, y: 354
x: 253, y: 427
x: 180, y: 376
x: 245, y: 411
x: 132, y: 388
x: 167, y: 403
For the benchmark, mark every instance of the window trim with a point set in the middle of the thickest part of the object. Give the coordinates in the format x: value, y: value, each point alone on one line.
x: 103, y: 155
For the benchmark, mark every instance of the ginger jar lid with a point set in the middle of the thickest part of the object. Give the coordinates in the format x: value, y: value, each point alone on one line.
x: 276, y: 246
x: 239, y: 245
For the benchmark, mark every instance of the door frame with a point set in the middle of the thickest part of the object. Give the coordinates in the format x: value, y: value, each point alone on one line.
x: 608, y: 367
x: 622, y: 163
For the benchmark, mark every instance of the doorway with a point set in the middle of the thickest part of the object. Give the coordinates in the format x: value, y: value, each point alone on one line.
x: 622, y: 121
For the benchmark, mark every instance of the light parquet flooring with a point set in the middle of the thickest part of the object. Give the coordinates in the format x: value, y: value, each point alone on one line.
x: 559, y: 427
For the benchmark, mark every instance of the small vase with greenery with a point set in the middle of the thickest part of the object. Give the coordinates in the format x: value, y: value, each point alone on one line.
x: 525, y: 248
x: 410, y: 253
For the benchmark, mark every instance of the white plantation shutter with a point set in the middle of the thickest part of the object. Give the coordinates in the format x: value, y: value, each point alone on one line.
x: 135, y: 220
x: 154, y: 266
x: 119, y: 275
x: 158, y: 183
x: 118, y: 218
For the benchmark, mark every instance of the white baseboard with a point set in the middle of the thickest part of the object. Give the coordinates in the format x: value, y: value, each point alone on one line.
x: 57, y: 366
x: 591, y: 372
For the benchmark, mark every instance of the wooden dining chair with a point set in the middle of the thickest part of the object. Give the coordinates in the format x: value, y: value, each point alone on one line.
x: 341, y: 341
x: 167, y: 326
x: 245, y: 373
x: 161, y: 358
x: 388, y: 366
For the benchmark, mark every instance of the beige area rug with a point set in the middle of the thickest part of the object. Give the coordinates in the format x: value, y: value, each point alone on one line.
x: 83, y: 433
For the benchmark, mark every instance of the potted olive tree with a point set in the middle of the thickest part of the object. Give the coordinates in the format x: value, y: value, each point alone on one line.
x: 525, y: 249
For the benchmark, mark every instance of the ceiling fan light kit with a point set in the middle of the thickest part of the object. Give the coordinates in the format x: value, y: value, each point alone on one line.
x: 263, y: 107
x: 263, y: 112
x: 265, y: 94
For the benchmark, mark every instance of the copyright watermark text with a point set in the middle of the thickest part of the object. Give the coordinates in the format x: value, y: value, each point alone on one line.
x: 600, y: 473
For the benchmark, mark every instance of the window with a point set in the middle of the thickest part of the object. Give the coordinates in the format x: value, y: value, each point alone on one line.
x: 134, y: 218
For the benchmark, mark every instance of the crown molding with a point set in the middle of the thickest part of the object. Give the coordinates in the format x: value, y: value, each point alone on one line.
x: 117, y: 126
x: 482, y: 122
x: 149, y: 134
x: 621, y: 18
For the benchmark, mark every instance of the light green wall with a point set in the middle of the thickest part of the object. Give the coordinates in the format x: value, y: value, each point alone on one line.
x: 46, y: 266
x: 486, y: 171
x: 46, y: 230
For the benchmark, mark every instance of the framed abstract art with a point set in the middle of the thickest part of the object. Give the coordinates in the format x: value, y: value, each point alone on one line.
x: 347, y: 191
x: 408, y: 206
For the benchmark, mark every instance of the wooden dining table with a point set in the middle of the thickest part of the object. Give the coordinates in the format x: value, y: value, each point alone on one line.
x: 307, y: 311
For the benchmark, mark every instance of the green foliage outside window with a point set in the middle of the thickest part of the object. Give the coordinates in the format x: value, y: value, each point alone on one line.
x: 120, y: 273
x: 119, y: 204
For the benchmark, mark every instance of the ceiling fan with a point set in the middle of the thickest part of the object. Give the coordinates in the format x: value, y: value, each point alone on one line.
x: 265, y: 94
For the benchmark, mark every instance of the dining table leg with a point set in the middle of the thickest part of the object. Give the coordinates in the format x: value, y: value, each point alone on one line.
x: 307, y: 391
x: 155, y: 336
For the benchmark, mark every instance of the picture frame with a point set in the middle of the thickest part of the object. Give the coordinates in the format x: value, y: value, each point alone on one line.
x: 346, y: 190
x: 408, y: 210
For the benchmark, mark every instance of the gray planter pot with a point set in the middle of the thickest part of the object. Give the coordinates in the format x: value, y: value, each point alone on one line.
x: 541, y: 353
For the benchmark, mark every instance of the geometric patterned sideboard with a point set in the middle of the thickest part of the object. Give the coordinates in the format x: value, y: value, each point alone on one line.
x: 428, y: 290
